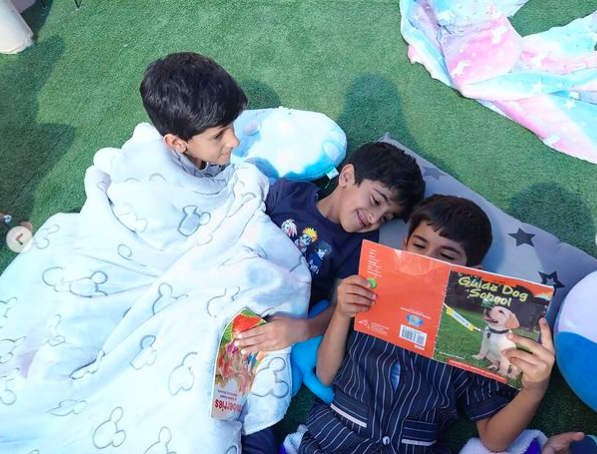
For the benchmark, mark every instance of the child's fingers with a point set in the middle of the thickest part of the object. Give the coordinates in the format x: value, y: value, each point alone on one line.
x: 257, y: 331
x: 359, y: 290
x: 546, y: 339
x: 250, y: 341
x: 534, y: 347
x: 358, y: 300
x: 522, y: 355
x: 525, y: 367
x: 358, y: 280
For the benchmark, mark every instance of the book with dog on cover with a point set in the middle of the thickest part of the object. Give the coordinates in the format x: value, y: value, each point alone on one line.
x: 454, y: 314
x: 235, y: 371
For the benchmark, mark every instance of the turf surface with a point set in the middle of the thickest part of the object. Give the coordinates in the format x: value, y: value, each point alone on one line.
x: 76, y: 91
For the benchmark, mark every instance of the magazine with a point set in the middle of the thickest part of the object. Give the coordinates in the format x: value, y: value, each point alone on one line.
x: 234, y: 372
x: 454, y: 314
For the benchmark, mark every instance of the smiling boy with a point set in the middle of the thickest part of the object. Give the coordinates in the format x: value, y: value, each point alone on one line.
x: 391, y: 400
x: 379, y: 182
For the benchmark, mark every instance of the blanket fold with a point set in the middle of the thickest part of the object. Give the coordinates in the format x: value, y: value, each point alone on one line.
x: 118, y: 311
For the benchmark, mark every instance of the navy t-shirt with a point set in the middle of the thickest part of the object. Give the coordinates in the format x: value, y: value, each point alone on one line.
x: 330, y: 251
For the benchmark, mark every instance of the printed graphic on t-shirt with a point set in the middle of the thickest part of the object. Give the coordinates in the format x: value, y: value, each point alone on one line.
x: 315, y: 258
x: 313, y: 249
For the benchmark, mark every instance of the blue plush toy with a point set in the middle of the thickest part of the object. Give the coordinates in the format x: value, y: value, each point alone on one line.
x: 304, y: 360
x: 576, y: 339
x: 288, y: 143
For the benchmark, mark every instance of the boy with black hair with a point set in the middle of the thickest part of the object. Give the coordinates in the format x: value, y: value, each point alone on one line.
x: 192, y: 101
x: 391, y: 400
x: 378, y: 183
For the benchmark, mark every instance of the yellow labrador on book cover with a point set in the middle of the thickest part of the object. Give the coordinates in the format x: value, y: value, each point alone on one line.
x: 500, y: 322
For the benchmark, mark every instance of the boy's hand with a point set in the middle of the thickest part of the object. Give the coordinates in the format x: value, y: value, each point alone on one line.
x: 354, y: 296
x: 277, y: 333
x: 535, y: 366
x: 560, y: 444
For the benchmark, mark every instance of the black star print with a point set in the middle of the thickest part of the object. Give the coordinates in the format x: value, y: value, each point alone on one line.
x: 432, y: 172
x: 551, y: 279
x: 523, y: 237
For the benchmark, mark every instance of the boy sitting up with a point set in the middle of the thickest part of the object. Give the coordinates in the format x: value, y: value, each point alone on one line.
x: 192, y: 102
x: 391, y: 400
x: 379, y: 182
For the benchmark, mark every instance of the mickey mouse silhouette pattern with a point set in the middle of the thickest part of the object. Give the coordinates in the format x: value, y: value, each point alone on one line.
x: 192, y: 220
x: 241, y: 198
x: 7, y: 348
x: 69, y: 406
x: 165, y: 297
x: 146, y: 355
x: 161, y: 447
x: 271, y: 379
x: 90, y: 368
x: 7, y: 395
x: 86, y: 287
x: 125, y: 252
x: 42, y: 240
x: 55, y: 338
x: 129, y: 219
x: 222, y: 300
x: 158, y: 177
x: 6, y: 306
x: 108, y: 433
x: 182, y: 377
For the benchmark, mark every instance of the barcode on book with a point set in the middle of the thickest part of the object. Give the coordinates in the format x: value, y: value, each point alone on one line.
x: 413, y: 335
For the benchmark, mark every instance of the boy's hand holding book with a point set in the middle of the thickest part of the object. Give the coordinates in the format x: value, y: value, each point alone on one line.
x: 354, y: 296
x: 536, y: 363
x: 278, y: 333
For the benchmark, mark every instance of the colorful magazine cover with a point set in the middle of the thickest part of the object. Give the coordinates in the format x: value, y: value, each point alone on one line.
x: 235, y: 372
x: 454, y: 314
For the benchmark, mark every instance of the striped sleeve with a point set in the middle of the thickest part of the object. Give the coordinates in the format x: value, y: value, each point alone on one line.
x: 481, y: 396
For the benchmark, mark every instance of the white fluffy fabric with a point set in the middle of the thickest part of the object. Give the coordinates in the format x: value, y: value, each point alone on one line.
x: 116, y: 313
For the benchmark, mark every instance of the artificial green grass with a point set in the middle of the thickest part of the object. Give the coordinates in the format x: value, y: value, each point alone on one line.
x: 76, y: 91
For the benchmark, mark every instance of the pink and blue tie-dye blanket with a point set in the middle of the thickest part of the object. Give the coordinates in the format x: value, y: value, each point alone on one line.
x: 546, y: 82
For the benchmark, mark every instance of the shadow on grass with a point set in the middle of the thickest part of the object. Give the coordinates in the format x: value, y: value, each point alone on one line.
x: 261, y: 96
x: 36, y: 16
x: 30, y: 148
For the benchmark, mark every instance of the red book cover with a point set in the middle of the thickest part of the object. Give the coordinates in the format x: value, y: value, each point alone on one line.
x: 453, y: 314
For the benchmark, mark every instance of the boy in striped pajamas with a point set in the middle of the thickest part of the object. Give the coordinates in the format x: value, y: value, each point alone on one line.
x: 390, y: 400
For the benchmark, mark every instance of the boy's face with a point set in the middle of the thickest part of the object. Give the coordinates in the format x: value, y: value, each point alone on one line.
x: 214, y: 145
x: 426, y: 241
x: 367, y: 206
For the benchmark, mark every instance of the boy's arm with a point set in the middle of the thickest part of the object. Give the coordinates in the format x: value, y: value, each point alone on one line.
x: 499, y: 431
x: 353, y: 296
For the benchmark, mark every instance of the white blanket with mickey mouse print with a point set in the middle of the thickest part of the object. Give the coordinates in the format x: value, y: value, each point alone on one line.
x: 110, y: 322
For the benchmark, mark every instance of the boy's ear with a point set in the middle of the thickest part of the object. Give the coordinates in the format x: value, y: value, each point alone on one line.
x: 346, y: 177
x: 404, y: 243
x: 176, y: 143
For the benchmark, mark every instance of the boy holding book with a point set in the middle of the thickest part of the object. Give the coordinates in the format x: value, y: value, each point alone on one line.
x: 390, y: 400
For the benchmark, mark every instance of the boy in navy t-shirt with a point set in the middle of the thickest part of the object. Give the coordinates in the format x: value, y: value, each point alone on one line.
x: 379, y: 182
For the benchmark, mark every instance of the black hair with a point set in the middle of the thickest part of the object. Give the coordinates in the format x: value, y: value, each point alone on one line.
x: 186, y: 93
x: 393, y: 168
x: 457, y: 219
